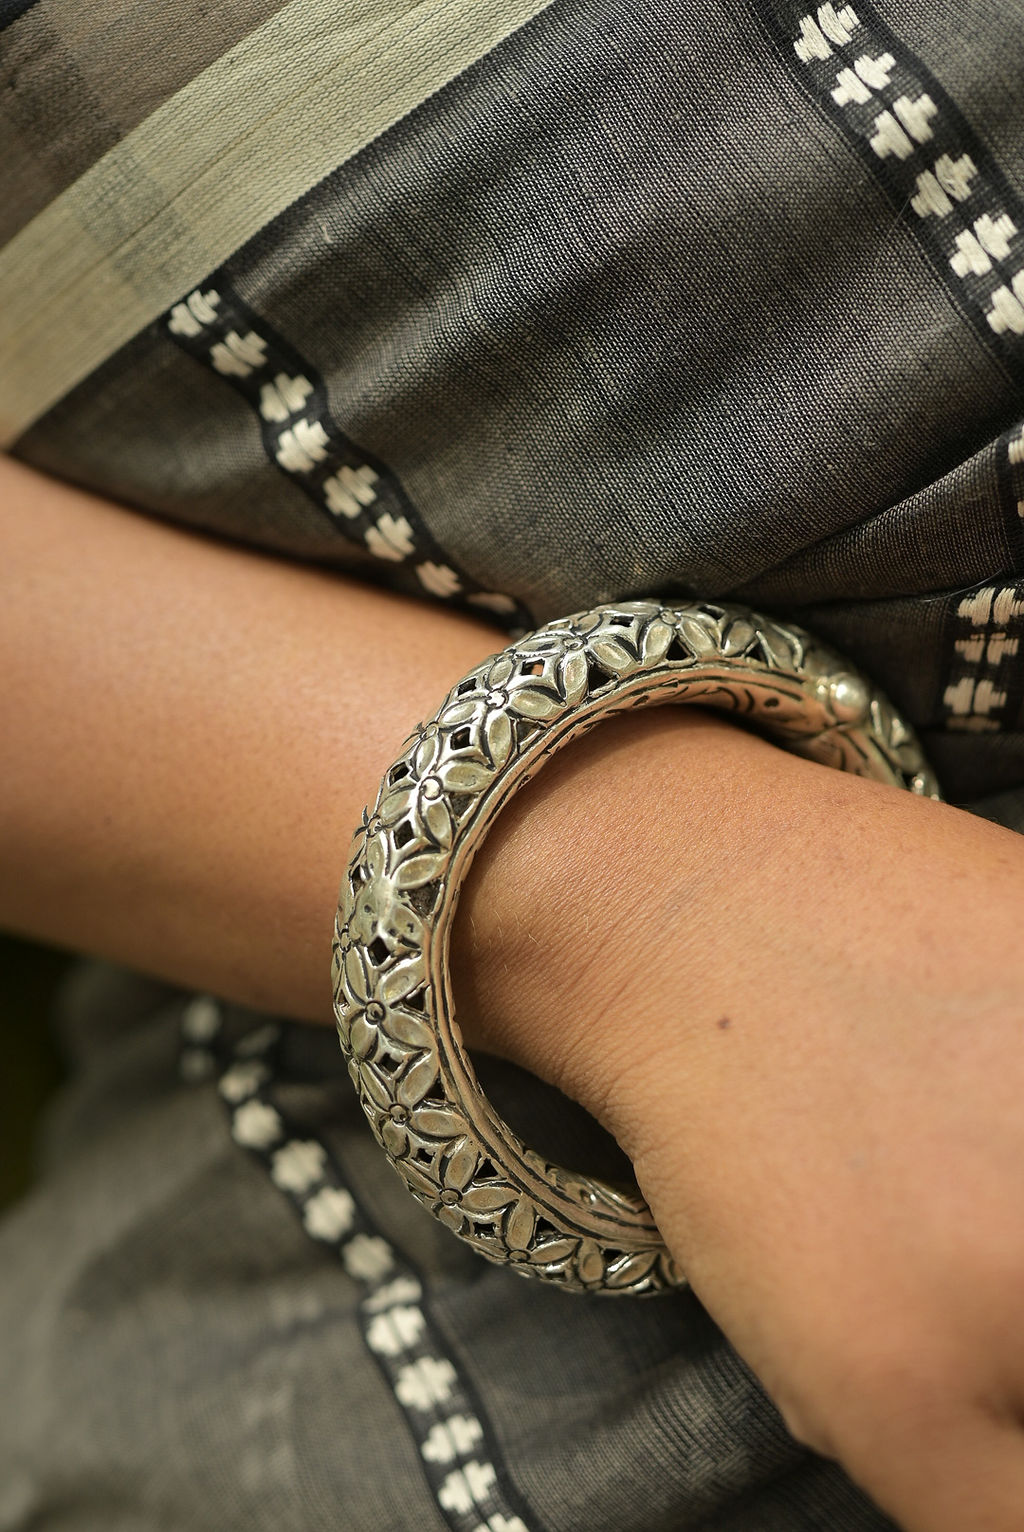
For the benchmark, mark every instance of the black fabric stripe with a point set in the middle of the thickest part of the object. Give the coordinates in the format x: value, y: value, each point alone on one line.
x: 950, y: 135
x: 948, y: 191
x: 1010, y: 469
x: 983, y: 681
x: 498, y: 1504
x: 216, y: 327
x: 1012, y: 464
x: 233, y: 317
x: 1005, y: 672
x: 10, y: 10
x: 1014, y: 710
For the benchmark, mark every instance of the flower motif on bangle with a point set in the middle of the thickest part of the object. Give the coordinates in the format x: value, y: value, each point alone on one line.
x: 630, y: 637
x: 535, y: 683
x: 373, y: 1003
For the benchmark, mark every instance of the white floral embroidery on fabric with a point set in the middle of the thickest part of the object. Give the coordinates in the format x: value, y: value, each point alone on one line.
x: 302, y: 446
x: 494, y: 601
x: 192, y: 316
x: 993, y: 605
x: 242, y: 1079
x: 438, y: 579
x: 465, y: 1487
x: 1007, y: 311
x: 449, y: 1439
x: 283, y: 397
x: 239, y: 355
x: 298, y: 1164
x: 391, y: 538
x: 916, y: 116
x: 983, y: 249
x: 367, y: 1257
x: 426, y: 1382
x: 348, y: 491
x: 866, y: 76
x: 948, y: 181
x: 401, y: 1290
x: 393, y: 1332
x: 301, y: 437
x: 830, y: 25
x: 899, y: 137
x: 989, y: 241
x: 256, y: 1125
x: 329, y: 1213
x: 200, y: 1020
x: 974, y: 698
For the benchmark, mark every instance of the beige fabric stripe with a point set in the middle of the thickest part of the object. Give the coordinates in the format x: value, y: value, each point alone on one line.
x: 234, y: 147
x: 76, y: 77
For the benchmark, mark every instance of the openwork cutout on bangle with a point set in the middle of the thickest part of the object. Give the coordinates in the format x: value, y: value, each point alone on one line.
x: 495, y: 728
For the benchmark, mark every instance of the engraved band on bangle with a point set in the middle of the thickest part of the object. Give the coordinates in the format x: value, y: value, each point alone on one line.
x: 495, y: 728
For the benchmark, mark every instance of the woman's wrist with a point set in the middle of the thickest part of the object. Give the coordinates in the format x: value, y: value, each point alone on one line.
x: 589, y: 915
x: 671, y: 881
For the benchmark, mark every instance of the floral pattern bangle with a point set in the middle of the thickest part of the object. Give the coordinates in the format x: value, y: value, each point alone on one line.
x: 495, y: 728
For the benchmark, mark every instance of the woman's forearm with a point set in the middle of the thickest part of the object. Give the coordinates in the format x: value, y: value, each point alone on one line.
x: 190, y: 732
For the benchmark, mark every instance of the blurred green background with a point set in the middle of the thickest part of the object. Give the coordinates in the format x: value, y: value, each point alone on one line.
x: 30, y: 1065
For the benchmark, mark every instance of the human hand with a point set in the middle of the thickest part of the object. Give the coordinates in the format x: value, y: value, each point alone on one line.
x: 798, y: 1000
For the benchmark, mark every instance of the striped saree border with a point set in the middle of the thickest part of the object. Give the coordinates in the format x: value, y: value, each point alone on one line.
x: 304, y: 438
x: 460, y: 1456
x: 76, y: 76
x: 950, y: 193
x: 174, y: 199
x: 945, y: 185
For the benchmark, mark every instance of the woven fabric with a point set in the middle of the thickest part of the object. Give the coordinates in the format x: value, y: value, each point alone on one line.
x: 582, y: 301
x: 222, y: 1310
x: 520, y: 306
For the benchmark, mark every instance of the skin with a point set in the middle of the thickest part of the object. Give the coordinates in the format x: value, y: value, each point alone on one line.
x: 795, y: 997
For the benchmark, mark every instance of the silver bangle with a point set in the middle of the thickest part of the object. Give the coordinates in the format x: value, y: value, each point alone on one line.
x: 392, y: 990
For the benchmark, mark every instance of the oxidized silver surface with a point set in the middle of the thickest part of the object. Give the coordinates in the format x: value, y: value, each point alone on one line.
x: 494, y: 729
